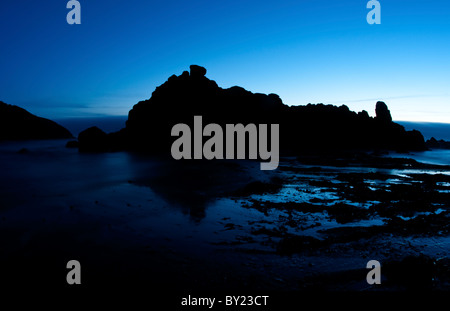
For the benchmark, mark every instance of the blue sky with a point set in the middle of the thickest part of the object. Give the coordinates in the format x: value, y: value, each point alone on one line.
x: 306, y: 51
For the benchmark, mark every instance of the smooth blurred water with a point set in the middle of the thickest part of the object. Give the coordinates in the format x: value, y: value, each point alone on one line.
x: 107, y: 124
x: 436, y: 156
x: 429, y: 129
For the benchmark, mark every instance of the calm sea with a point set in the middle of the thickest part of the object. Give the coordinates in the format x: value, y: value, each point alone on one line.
x: 107, y: 124
x: 428, y: 129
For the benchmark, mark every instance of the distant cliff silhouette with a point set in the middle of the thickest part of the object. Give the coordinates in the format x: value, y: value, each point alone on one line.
x: 433, y: 143
x: 18, y: 124
x: 302, y: 128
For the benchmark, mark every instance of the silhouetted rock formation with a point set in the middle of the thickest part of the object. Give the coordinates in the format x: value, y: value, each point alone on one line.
x: 302, y: 128
x: 382, y: 113
x: 328, y: 128
x: 18, y: 124
x: 433, y: 143
x: 197, y: 71
x: 93, y: 139
x: 72, y: 144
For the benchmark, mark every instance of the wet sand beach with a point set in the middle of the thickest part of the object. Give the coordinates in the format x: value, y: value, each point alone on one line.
x: 134, y: 221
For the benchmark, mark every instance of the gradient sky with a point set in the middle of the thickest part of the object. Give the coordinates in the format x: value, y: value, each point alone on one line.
x: 306, y: 51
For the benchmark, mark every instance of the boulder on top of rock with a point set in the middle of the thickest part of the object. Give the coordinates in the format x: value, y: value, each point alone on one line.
x: 197, y: 71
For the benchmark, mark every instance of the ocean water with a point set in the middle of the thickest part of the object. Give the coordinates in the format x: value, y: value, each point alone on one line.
x: 107, y: 124
x: 435, y: 157
x: 429, y: 129
x: 153, y: 219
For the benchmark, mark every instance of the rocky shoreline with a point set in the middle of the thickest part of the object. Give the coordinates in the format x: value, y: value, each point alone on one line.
x: 310, y: 225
